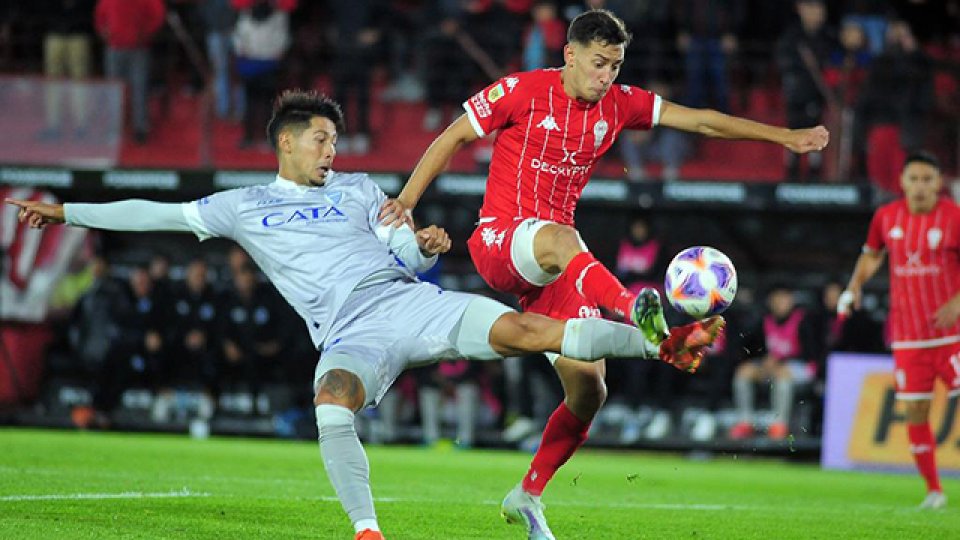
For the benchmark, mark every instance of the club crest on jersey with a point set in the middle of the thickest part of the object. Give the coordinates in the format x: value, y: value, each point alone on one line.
x: 599, y: 132
x: 934, y: 236
x: 495, y: 93
x: 334, y: 196
x: 896, y: 233
x: 549, y: 124
x: 512, y: 83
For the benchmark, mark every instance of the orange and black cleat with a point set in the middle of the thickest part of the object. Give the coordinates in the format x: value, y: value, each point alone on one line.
x: 369, y: 534
x: 685, y: 347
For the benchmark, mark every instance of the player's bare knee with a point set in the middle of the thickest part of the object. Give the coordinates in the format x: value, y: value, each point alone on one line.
x: 340, y: 387
x: 918, y: 412
x: 555, y: 245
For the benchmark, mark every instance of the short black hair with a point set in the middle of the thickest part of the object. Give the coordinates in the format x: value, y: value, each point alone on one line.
x: 295, y: 108
x: 599, y: 25
x: 922, y: 156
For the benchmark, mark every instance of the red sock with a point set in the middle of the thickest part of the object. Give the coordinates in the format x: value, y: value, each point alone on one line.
x: 923, y: 447
x: 561, y: 438
x: 598, y: 285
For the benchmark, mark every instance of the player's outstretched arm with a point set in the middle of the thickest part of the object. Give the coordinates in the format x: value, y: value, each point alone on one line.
x: 128, y: 215
x: 716, y: 124
x: 867, y: 265
x: 433, y: 162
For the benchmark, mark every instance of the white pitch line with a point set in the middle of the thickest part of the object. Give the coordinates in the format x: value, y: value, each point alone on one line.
x: 98, y: 496
x: 490, y: 502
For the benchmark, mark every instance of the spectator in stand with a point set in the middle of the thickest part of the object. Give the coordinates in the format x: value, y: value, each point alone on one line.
x: 137, y: 353
x: 218, y: 19
x: 893, y: 108
x: 669, y: 147
x: 848, y: 63
x: 159, y: 270
x: 640, y: 258
x: 802, y: 54
x: 707, y: 37
x: 192, y: 359
x: 545, y: 37
x: 260, y: 39
x: 66, y: 54
x: 252, y: 336
x: 458, y: 379
x: 127, y: 27
x: 358, y: 30
x: 783, y: 356
x: 450, y: 75
x: 95, y: 326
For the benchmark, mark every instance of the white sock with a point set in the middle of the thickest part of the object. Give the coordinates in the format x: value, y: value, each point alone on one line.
x: 593, y: 339
x: 365, y: 524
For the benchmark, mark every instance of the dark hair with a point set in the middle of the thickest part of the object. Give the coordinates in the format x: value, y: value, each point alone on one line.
x: 922, y: 156
x: 295, y: 108
x: 598, y: 25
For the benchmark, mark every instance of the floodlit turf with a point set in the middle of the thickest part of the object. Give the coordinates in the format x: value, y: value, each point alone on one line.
x: 106, y: 485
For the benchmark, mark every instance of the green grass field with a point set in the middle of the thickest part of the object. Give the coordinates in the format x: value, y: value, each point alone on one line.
x: 106, y: 485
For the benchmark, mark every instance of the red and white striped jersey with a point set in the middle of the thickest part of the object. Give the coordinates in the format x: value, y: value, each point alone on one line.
x: 548, y: 143
x: 924, y: 252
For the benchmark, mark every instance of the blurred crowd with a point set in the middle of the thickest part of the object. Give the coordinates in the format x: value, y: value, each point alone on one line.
x: 882, y: 74
x: 206, y: 338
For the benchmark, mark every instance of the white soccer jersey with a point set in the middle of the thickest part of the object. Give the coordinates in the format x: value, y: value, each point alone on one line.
x: 316, y: 244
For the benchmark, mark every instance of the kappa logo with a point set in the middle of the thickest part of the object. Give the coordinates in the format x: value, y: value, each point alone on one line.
x: 569, y: 156
x: 625, y: 88
x: 549, y: 124
x: 896, y: 233
x: 512, y: 83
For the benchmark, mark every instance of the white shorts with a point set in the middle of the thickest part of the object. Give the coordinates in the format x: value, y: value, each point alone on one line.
x: 386, y: 328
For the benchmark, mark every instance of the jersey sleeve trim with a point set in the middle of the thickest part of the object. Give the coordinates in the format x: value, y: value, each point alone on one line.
x: 192, y: 215
x: 657, y: 102
x: 473, y: 120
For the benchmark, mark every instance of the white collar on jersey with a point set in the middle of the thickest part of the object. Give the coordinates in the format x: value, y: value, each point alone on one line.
x: 290, y: 184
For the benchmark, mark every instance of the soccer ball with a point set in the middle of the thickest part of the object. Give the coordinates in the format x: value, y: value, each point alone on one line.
x: 701, y: 282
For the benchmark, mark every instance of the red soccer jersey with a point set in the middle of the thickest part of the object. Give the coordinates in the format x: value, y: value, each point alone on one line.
x: 924, y: 252
x: 549, y: 143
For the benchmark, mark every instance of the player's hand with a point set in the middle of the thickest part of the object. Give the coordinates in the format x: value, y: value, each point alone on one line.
x: 37, y: 214
x: 808, y: 140
x: 947, y: 315
x: 433, y: 240
x: 394, y: 211
x: 849, y: 300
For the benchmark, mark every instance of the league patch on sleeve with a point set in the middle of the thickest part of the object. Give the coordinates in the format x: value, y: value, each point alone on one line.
x: 495, y: 93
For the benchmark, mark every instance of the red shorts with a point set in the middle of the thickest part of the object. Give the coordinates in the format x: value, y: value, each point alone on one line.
x: 492, y: 249
x: 916, y: 370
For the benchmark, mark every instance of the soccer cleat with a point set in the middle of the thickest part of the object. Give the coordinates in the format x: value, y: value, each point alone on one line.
x: 521, y: 507
x: 647, y: 315
x: 935, y: 500
x: 686, y: 345
x: 369, y: 534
